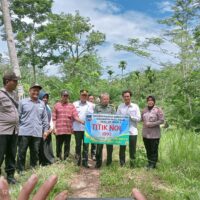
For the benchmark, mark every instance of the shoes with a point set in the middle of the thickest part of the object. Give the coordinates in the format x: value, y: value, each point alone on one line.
x: 85, y: 164
x: 11, y: 180
x: 108, y: 163
x: 93, y: 157
x: 97, y: 166
x: 150, y: 166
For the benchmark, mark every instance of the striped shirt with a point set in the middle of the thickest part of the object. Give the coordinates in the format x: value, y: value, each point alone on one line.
x: 63, y: 117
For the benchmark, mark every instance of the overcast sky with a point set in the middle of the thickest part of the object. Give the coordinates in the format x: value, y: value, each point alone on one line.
x: 119, y: 20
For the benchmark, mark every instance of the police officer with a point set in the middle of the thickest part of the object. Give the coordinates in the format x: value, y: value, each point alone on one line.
x: 104, y: 108
x: 9, y: 124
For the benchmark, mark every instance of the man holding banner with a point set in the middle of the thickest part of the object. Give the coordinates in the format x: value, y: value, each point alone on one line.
x: 133, y: 111
x: 104, y: 108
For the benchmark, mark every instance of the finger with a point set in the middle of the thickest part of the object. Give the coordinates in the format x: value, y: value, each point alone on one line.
x: 137, y: 194
x: 44, y: 190
x: 62, y: 196
x: 4, y: 189
x: 28, y: 187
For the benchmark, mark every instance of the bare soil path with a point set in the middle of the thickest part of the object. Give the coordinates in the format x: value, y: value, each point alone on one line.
x: 86, y: 183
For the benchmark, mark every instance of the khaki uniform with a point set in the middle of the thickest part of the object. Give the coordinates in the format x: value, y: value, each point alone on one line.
x: 9, y: 120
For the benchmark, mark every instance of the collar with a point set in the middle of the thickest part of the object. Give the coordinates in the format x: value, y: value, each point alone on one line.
x: 80, y: 103
x: 38, y: 101
x: 130, y: 105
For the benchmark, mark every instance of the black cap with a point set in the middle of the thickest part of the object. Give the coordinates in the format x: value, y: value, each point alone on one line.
x: 11, y: 76
x: 35, y: 85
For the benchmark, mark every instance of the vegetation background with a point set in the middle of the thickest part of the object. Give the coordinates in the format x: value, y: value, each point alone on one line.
x: 69, y: 43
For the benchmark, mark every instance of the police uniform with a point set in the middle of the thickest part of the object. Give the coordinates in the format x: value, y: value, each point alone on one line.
x: 104, y: 109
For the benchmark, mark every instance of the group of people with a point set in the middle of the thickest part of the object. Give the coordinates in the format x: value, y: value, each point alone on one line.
x: 30, y: 123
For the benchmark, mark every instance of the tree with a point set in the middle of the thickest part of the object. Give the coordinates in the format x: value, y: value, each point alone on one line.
x: 10, y: 37
x: 122, y: 66
x: 29, y: 18
x: 71, y: 38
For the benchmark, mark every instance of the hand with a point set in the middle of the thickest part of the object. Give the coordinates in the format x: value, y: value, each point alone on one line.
x: 148, y: 124
x: 45, y: 135
x: 137, y: 195
x: 82, y: 122
x: 54, y: 130
x: 28, y: 187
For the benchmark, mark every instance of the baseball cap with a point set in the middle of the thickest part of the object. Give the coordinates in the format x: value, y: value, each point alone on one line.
x: 35, y: 85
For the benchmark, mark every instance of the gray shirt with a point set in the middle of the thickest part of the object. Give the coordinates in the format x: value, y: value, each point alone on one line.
x: 8, y: 113
x: 33, y: 119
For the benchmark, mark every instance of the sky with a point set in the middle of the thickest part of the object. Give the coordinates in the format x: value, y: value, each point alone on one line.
x: 119, y: 20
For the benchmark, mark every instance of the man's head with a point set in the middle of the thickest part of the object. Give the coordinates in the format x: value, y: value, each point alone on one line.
x: 64, y: 96
x: 34, y: 91
x: 105, y: 99
x: 83, y: 95
x: 91, y: 98
x: 126, y: 95
x: 151, y: 101
x: 10, y: 81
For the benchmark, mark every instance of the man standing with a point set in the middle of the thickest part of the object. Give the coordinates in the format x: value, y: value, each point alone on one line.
x: 83, y: 108
x: 91, y: 99
x: 8, y: 124
x: 33, y: 125
x: 104, y: 108
x: 64, y: 113
x: 133, y: 111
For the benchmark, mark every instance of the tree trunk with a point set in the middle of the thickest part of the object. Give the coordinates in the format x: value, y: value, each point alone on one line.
x: 10, y: 37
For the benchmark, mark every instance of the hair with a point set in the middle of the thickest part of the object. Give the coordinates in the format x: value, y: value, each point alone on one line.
x: 104, y: 94
x: 83, y: 91
x: 151, y: 97
x: 4, y: 81
x: 89, y: 95
x: 127, y: 91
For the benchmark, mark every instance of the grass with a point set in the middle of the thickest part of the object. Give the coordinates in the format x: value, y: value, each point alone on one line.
x: 63, y: 169
x: 177, y: 176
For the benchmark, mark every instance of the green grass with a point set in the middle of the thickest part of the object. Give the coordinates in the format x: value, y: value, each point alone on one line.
x: 177, y: 176
x: 63, y: 169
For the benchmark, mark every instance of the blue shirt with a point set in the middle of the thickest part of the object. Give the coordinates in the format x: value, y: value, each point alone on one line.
x: 33, y: 118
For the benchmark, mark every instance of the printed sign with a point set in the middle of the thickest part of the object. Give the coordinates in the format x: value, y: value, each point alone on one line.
x: 107, y: 129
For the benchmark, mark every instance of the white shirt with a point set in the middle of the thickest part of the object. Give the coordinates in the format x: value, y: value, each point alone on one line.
x: 83, y: 109
x: 135, y: 116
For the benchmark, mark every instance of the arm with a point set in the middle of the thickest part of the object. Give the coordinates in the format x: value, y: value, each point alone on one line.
x: 20, y: 111
x: 75, y: 115
x: 118, y: 111
x: 159, y: 121
x: 45, y: 123
x: 136, y: 115
x: 54, y: 117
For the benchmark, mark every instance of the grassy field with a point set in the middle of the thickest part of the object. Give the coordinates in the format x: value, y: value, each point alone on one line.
x: 176, y: 178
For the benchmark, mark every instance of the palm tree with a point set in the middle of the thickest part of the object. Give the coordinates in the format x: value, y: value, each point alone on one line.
x: 122, y: 66
x: 110, y: 72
